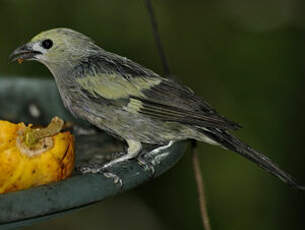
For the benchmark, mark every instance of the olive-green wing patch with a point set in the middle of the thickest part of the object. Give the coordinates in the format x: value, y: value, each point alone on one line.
x: 114, y: 86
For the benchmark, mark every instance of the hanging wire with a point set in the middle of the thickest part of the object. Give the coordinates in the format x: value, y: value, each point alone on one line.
x: 200, y: 188
x: 155, y: 29
x: 195, y: 160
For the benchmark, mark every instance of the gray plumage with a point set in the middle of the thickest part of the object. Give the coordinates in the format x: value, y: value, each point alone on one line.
x: 132, y: 102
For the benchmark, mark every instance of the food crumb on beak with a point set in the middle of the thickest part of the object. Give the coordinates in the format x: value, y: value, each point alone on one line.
x: 20, y: 60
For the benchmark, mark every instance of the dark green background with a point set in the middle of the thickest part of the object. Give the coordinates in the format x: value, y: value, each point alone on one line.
x: 246, y: 57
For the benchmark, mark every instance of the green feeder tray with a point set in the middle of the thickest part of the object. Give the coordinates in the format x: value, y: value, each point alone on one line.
x: 37, y: 101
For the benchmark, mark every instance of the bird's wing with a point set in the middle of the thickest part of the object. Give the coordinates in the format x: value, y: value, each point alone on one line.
x: 157, y: 98
x: 170, y: 101
x: 118, y: 79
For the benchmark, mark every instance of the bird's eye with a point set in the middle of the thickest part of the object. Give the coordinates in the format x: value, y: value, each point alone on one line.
x: 47, y: 44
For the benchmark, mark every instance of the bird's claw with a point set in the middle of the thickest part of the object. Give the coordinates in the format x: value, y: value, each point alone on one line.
x: 116, y: 179
x: 100, y: 169
x: 89, y: 169
x: 146, y: 165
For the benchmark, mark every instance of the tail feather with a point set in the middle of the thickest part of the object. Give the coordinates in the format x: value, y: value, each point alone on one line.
x: 232, y: 143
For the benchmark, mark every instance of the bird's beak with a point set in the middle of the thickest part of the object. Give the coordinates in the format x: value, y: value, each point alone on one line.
x: 24, y: 52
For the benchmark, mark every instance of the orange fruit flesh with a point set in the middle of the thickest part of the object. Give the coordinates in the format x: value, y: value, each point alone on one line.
x: 22, y: 168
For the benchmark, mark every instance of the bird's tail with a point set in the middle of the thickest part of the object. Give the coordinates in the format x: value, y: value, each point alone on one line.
x: 230, y: 142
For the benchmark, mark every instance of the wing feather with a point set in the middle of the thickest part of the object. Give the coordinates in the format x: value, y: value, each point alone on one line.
x: 174, y: 114
x: 114, y: 78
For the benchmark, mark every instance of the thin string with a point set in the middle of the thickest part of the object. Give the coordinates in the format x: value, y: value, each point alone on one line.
x: 195, y: 159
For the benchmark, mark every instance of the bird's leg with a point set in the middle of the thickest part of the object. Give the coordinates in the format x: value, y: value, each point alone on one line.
x: 98, y: 169
x: 146, y: 160
x: 147, y: 165
x: 133, y: 150
x: 154, y: 157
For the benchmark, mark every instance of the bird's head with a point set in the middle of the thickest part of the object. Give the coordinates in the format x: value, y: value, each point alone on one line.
x: 56, y: 47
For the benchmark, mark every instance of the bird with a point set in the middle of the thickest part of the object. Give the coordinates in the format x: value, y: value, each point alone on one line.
x: 131, y: 102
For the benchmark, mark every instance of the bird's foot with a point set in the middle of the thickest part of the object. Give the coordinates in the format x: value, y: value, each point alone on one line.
x: 93, y: 168
x: 146, y: 164
x: 116, y: 179
x: 154, y: 157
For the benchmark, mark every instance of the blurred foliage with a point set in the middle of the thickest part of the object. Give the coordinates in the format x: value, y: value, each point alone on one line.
x: 245, y: 57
